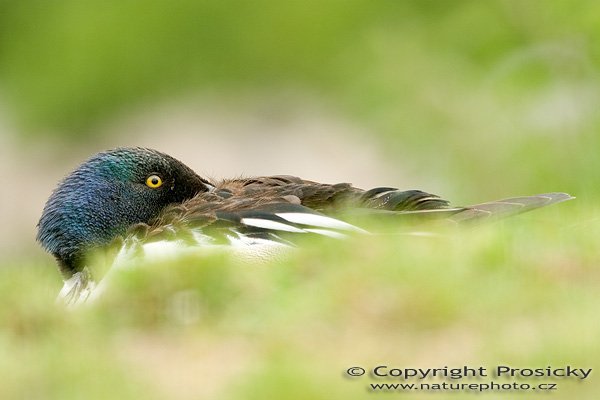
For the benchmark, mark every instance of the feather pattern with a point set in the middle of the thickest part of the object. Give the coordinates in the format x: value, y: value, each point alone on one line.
x: 257, y: 217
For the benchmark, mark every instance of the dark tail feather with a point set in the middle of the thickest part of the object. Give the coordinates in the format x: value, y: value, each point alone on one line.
x: 392, y: 199
x: 507, y: 207
x: 414, y: 206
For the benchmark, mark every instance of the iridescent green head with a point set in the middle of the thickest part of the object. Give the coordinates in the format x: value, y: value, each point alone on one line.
x: 108, y: 193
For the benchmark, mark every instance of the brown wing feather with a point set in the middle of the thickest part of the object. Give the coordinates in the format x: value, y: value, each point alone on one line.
x: 332, y: 197
x: 318, y: 196
x: 235, y: 195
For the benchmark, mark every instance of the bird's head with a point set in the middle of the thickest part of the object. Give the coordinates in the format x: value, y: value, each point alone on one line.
x: 107, y: 194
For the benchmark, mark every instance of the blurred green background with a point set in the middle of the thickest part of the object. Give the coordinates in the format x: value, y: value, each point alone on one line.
x: 472, y: 100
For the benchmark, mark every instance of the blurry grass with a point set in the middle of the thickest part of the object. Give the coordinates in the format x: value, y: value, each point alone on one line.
x: 402, y: 66
x: 503, y: 93
x: 523, y: 292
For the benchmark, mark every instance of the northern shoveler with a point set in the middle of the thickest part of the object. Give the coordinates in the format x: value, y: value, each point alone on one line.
x: 149, y: 200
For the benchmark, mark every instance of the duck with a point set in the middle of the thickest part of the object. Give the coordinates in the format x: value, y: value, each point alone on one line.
x: 146, y: 201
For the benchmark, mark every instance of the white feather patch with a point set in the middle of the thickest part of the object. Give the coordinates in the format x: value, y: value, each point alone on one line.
x: 255, y: 249
x: 163, y: 249
x: 319, y: 221
x: 268, y: 224
x: 202, y: 239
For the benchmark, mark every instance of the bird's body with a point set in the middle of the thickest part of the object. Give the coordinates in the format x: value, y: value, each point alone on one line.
x: 149, y: 201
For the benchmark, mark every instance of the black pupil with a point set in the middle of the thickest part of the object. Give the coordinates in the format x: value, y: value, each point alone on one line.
x: 155, y: 181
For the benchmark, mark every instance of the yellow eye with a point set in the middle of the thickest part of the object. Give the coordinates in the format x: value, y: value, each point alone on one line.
x: 154, y: 181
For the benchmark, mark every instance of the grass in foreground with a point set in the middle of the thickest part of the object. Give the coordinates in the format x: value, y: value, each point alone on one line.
x: 522, y: 292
